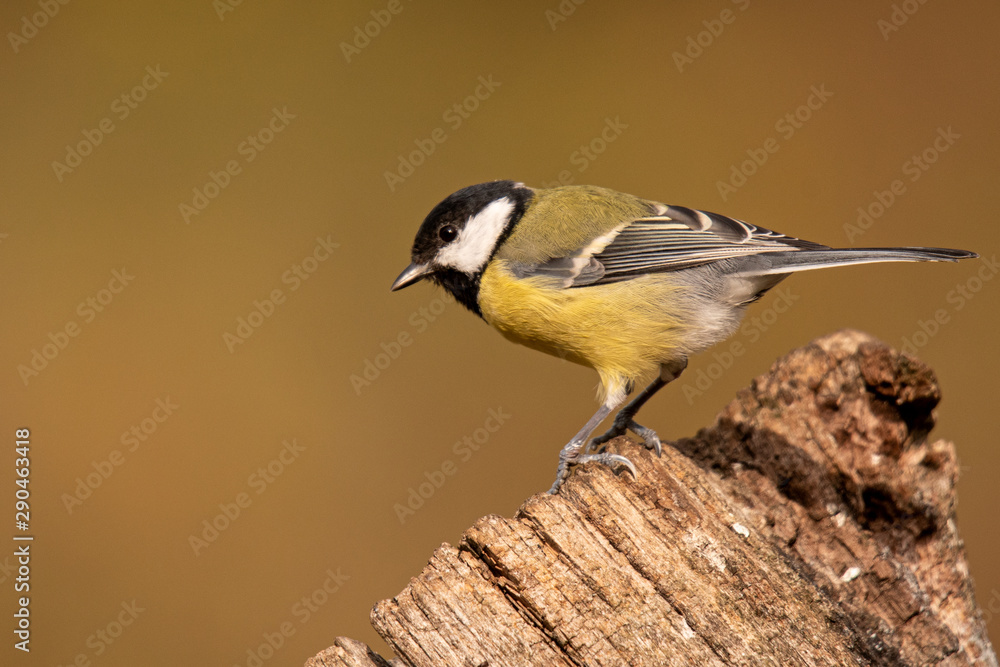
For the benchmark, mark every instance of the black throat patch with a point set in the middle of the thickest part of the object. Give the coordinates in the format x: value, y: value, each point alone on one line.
x: 462, y: 287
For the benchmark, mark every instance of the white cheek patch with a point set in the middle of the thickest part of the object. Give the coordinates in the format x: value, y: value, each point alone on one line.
x: 468, y: 253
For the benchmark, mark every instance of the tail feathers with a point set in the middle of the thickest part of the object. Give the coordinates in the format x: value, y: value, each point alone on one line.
x: 804, y: 260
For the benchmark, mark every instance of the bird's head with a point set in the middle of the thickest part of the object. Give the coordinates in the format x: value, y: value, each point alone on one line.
x: 461, y: 234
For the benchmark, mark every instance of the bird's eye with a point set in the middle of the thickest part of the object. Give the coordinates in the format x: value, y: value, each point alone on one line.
x: 448, y: 233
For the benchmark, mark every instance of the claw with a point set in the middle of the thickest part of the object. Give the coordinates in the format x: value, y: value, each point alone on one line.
x: 649, y: 437
x: 610, y: 460
x: 605, y: 458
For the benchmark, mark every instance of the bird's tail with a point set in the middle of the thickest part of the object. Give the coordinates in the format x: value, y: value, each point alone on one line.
x: 771, y: 263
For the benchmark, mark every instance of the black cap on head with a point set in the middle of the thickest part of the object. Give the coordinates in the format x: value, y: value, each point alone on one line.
x: 459, y: 207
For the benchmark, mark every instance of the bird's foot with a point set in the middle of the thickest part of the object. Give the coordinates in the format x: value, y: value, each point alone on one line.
x: 569, y: 459
x: 623, y: 423
x: 649, y: 437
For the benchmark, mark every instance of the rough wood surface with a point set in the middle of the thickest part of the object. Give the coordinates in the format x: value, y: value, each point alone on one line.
x: 812, y: 524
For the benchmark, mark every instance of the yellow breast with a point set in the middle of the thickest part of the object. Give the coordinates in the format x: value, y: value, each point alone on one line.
x: 624, y: 330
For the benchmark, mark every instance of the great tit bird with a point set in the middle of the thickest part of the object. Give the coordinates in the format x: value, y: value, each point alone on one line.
x: 627, y: 286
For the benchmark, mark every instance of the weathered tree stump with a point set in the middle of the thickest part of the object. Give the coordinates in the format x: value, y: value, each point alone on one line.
x: 812, y: 524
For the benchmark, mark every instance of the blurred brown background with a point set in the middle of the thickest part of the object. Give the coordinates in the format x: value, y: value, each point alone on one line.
x: 249, y: 155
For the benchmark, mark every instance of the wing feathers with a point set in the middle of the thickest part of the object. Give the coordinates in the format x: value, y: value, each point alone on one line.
x: 780, y: 263
x: 680, y: 238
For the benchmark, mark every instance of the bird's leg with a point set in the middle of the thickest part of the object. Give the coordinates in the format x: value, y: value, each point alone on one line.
x: 571, y: 454
x: 625, y: 419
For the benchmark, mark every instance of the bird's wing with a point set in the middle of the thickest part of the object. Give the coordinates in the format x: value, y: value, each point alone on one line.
x: 674, y: 238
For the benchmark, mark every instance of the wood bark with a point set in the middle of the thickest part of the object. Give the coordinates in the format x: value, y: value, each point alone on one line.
x: 812, y: 524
